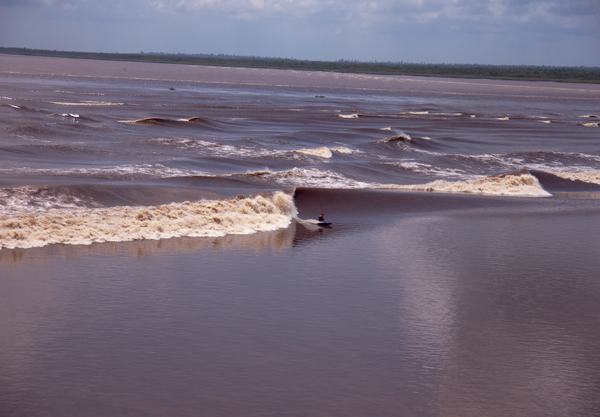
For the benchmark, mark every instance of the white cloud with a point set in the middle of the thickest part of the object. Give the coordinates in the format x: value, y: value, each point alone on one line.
x: 484, y: 31
x: 372, y: 12
x: 245, y: 8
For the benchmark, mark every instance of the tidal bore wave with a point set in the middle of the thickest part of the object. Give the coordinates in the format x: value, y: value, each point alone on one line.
x: 83, y: 226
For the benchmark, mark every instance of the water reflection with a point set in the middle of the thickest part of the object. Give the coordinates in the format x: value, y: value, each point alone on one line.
x: 295, y: 235
x: 490, y: 313
x: 495, y: 309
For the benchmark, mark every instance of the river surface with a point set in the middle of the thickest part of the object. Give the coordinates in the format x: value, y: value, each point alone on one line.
x: 159, y: 253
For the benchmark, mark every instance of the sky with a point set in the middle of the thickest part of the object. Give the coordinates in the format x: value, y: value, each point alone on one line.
x: 511, y: 32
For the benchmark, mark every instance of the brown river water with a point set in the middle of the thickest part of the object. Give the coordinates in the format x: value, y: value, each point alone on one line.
x: 159, y: 254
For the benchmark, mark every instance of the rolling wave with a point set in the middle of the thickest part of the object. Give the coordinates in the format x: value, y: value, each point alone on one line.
x: 592, y: 177
x: 514, y: 185
x: 34, y: 200
x: 165, y: 120
x: 120, y: 172
x: 86, y: 103
x: 305, y: 177
x: 227, y: 150
x: 82, y: 226
x: 521, y: 184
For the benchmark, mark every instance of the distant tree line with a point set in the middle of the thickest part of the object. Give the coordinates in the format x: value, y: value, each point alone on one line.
x: 504, y: 72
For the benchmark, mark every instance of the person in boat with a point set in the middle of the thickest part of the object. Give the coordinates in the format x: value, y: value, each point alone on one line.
x: 322, y: 218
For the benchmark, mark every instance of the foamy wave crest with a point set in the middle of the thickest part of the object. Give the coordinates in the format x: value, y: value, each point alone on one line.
x: 33, y: 200
x: 306, y: 177
x: 524, y: 185
x: 590, y: 124
x: 213, y: 148
x: 225, y: 150
x: 343, y: 149
x: 589, y: 176
x: 322, y: 152
x: 398, y: 138
x: 348, y: 116
x: 134, y: 171
x: 194, y: 219
x: 87, y: 103
x: 423, y: 168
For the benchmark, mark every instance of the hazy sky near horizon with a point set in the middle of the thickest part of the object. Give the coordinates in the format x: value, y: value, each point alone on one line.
x: 536, y: 32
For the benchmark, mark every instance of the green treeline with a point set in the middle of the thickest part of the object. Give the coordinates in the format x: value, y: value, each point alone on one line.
x: 505, y: 72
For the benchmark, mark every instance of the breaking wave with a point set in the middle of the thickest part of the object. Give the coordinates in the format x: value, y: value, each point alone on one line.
x: 322, y: 152
x: 129, y: 172
x: 87, y: 103
x: 397, y: 138
x: 516, y: 185
x: 226, y: 150
x: 35, y: 200
x: 83, y: 226
x: 158, y: 120
x: 592, y: 177
x: 423, y: 168
x: 306, y: 177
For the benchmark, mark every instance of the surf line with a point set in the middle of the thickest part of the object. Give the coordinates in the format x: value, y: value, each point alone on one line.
x: 210, y: 218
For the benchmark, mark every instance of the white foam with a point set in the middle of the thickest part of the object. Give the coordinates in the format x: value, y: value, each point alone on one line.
x: 306, y: 177
x: 33, y: 200
x: 544, y: 121
x: 225, y: 150
x: 423, y: 168
x: 525, y: 185
x: 343, y: 149
x: 14, y: 106
x: 348, y: 116
x: 588, y: 176
x: 132, y: 171
x: 213, y: 148
x: 79, y: 226
x: 502, y: 118
x: 87, y: 103
x: 80, y: 93
x: 590, y: 124
x: 517, y: 163
x: 322, y: 152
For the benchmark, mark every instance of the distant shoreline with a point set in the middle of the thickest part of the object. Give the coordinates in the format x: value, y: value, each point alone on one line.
x: 514, y: 73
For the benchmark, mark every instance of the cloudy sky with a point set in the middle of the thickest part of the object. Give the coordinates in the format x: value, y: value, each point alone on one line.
x: 536, y: 32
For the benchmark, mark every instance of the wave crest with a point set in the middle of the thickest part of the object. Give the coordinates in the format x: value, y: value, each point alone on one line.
x: 81, y: 226
x: 516, y: 185
x: 592, y: 177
